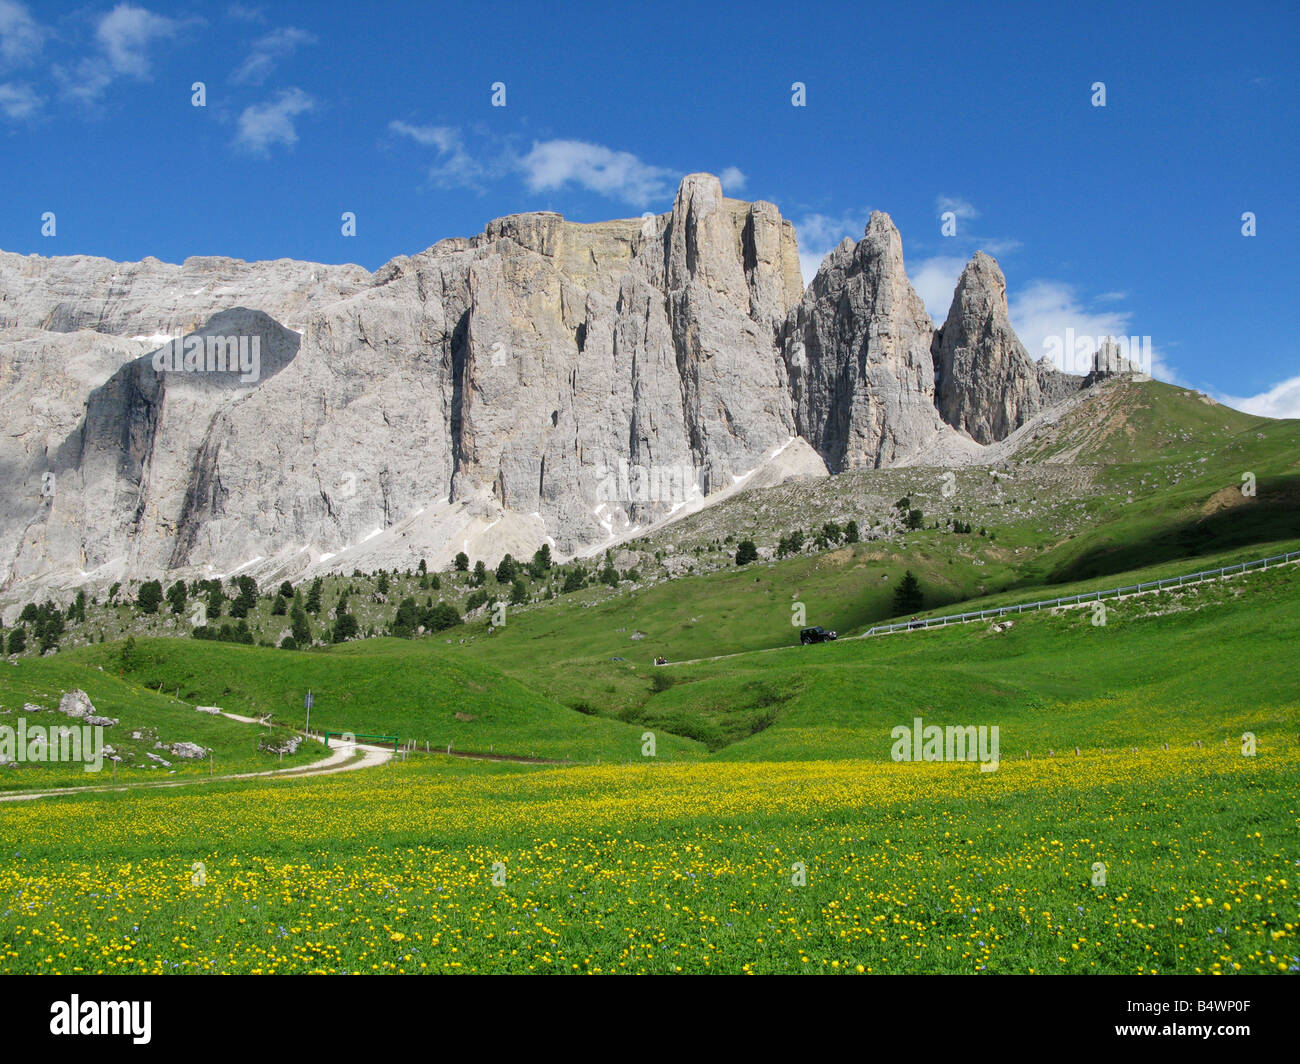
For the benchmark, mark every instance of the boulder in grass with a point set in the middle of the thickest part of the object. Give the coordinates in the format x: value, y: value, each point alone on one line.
x: 189, y: 751
x: 102, y: 722
x: 76, y: 703
x: 32, y: 707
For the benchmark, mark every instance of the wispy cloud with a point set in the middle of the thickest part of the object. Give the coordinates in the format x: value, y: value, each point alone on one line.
x: 960, y: 207
x: 1282, y: 400
x: 19, y: 100
x: 243, y: 13
x: 266, y: 51
x: 125, y: 39
x: 965, y: 236
x: 444, y: 138
x: 262, y: 125
x: 21, y: 38
x: 996, y: 246
x: 454, y: 166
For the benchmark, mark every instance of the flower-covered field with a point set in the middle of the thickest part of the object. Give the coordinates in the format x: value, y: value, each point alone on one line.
x: 846, y: 866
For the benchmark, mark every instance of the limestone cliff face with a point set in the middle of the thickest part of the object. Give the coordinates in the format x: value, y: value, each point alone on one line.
x: 561, y: 381
x: 985, y: 382
x: 151, y: 298
x: 542, y: 381
x: 857, y: 350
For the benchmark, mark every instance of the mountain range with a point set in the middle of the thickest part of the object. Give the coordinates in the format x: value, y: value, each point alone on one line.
x: 544, y: 381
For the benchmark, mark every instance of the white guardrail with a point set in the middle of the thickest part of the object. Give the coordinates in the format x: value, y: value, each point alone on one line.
x: 1090, y: 596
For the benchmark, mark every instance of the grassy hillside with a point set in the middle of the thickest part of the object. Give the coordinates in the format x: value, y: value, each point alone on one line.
x: 414, y: 689
x: 584, y: 652
x: 1124, y: 422
x: 158, y: 717
x: 1204, y: 664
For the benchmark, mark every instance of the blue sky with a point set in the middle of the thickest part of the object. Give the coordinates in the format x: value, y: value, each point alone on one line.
x: 1123, y: 219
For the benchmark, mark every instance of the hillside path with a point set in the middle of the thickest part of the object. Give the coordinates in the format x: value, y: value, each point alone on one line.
x: 341, y: 759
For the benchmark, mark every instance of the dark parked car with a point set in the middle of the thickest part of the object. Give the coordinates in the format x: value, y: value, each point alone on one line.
x: 815, y: 635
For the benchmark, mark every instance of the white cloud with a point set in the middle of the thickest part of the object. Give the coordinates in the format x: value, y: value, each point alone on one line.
x: 1282, y: 400
x: 1045, y: 310
x: 960, y: 207
x: 127, y: 33
x: 245, y: 14
x: 19, y: 101
x: 468, y: 161
x: 732, y: 179
x: 264, y: 124
x: 965, y: 212
x: 20, y: 36
x: 819, y: 234
x: 454, y: 166
x: 260, y: 62
x: 995, y: 246
x: 87, y: 81
x: 935, y: 280
x: 126, y: 37
x: 444, y: 138
x: 552, y: 164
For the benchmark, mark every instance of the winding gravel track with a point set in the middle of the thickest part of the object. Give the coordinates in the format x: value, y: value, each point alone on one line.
x: 342, y: 758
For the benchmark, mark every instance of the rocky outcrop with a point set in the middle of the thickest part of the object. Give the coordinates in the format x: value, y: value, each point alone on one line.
x: 1054, y: 386
x: 857, y: 352
x: 1109, y: 361
x: 985, y: 382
